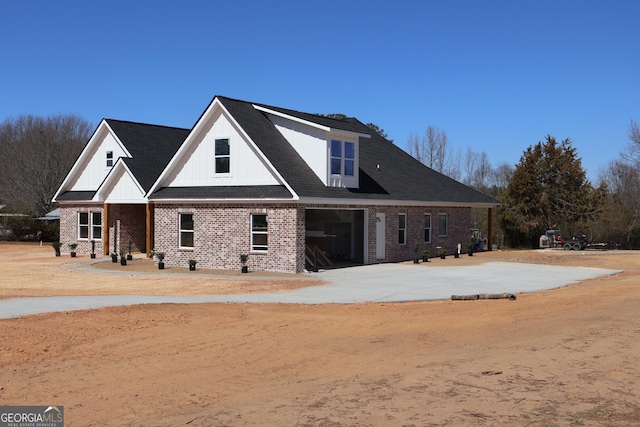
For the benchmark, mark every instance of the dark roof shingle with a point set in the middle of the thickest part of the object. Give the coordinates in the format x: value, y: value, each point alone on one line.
x: 151, y: 147
x: 386, y: 171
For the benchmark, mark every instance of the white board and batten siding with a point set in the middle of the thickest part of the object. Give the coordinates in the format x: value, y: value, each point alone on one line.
x: 95, y: 169
x: 196, y: 167
x: 308, y: 141
x: 121, y: 188
x: 314, y: 145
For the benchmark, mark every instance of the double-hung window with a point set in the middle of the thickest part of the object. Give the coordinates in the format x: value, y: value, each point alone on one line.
x: 222, y: 162
x: 427, y: 228
x: 343, y: 156
x: 96, y: 226
x: 402, y: 229
x: 336, y: 157
x: 109, y: 159
x: 259, y: 232
x: 83, y: 225
x: 89, y: 224
x: 442, y: 224
x: 186, y: 230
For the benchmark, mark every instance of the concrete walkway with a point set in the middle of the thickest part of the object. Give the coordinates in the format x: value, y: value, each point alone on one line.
x: 370, y: 283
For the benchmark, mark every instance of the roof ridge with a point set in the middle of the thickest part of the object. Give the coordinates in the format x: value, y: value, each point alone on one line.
x: 346, y: 119
x: 145, y: 124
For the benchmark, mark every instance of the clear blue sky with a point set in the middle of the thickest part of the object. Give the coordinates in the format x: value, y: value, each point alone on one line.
x: 496, y: 76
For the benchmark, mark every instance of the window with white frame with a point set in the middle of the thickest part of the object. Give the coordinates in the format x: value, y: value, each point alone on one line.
x: 109, y: 159
x: 343, y: 157
x: 442, y: 224
x: 402, y: 229
x: 259, y: 232
x: 83, y: 225
x: 427, y: 228
x: 222, y: 162
x: 89, y: 224
x: 96, y: 226
x: 186, y: 230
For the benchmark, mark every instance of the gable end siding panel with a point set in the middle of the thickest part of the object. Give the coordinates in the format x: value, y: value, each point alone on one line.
x: 309, y: 142
x: 95, y: 169
x: 197, y: 164
x: 123, y: 189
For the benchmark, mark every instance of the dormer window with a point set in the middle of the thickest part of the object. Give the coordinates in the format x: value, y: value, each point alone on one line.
x: 342, y: 157
x: 222, y: 156
x: 109, y: 159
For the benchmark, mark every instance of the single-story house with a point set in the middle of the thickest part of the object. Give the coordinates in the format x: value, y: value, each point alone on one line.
x: 288, y: 188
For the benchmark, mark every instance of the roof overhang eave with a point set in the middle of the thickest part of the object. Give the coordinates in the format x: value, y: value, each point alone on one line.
x: 389, y: 202
x: 220, y: 200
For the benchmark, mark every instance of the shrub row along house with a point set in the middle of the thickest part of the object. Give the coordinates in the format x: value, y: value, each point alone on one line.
x: 260, y: 180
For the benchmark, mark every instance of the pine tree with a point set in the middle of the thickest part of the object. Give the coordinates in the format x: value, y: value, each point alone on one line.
x: 549, y: 190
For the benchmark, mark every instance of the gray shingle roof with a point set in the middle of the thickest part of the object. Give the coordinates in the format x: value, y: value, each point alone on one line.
x: 386, y: 173
x: 399, y: 176
x: 151, y: 147
x: 224, y: 192
x: 72, y: 196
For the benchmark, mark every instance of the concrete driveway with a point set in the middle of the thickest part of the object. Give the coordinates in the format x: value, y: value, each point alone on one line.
x: 370, y: 283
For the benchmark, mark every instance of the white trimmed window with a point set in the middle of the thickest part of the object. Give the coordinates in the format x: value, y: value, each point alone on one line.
x: 259, y: 232
x: 222, y: 156
x: 96, y: 226
x: 186, y: 230
x: 442, y: 224
x: 402, y: 229
x: 109, y: 159
x: 83, y: 225
x: 343, y: 157
x: 89, y: 222
x: 427, y: 228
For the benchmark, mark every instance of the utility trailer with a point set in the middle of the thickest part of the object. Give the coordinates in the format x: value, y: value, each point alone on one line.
x: 575, y: 243
x: 579, y: 243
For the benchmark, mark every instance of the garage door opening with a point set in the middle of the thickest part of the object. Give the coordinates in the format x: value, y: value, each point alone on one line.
x: 334, y: 238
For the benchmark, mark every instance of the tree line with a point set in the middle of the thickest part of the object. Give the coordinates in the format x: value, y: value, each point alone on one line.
x: 37, y: 153
x: 546, y: 190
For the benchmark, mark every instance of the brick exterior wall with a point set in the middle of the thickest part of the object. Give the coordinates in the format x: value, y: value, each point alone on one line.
x: 69, y: 228
x: 223, y: 231
x: 458, y: 231
x: 127, y: 223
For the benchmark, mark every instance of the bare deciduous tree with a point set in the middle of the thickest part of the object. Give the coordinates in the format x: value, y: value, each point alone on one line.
x: 433, y: 150
x: 632, y: 153
x: 37, y: 153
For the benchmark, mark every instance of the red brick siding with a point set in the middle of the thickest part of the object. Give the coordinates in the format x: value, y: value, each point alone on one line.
x: 69, y: 228
x: 127, y: 222
x: 459, y: 231
x: 223, y: 232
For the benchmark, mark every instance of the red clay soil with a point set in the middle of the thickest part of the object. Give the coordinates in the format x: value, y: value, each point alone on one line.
x: 565, y: 357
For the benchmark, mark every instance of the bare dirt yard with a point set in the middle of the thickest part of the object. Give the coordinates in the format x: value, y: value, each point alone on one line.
x: 564, y: 357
